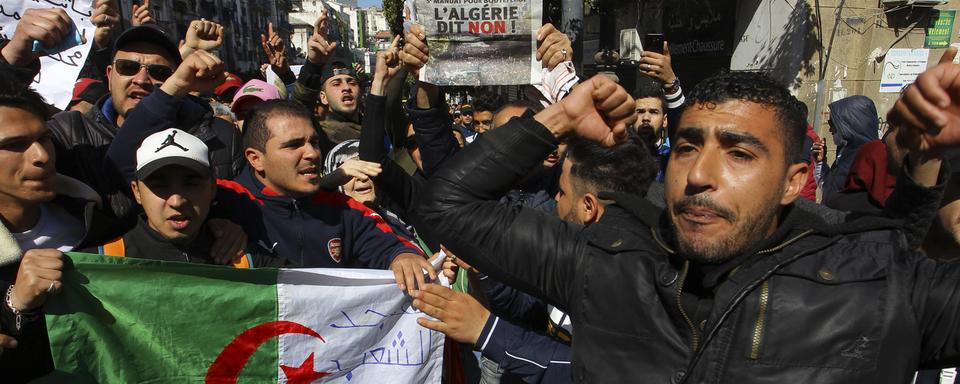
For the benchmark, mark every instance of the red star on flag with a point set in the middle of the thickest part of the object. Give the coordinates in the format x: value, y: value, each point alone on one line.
x: 304, y: 374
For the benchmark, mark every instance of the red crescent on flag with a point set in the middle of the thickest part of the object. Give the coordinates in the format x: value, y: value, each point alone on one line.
x: 226, y: 368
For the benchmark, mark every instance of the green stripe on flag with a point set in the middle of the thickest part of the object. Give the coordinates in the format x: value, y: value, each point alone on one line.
x: 128, y: 320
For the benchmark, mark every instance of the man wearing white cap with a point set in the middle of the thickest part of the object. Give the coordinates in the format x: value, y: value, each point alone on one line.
x: 175, y: 186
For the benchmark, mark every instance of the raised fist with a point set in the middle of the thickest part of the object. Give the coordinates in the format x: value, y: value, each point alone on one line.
x: 415, y: 52
x: 927, y: 115
x: 203, y: 35
x: 597, y: 109
x: 319, y: 49
x: 199, y: 72
x: 107, y: 19
x: 47, y: 25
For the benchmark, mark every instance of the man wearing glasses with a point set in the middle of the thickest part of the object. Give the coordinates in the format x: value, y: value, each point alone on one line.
x: 143, y: 58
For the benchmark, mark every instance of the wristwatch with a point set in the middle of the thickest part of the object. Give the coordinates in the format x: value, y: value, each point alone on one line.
x: 671, y: 87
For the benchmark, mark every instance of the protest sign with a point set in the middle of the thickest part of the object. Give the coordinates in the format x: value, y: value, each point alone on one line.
x: 58, y: 71
x: 480, y: 42
x: 901, y: 66
x: 128, y: 320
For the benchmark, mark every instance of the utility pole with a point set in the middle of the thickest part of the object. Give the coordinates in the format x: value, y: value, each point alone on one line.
x: 821, y: 81
x: 572, y: 25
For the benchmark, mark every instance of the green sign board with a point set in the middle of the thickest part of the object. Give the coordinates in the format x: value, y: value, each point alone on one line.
x: 940, y: 29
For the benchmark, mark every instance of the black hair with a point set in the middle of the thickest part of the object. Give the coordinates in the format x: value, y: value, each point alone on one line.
x: 255, y: 129
x: 488, y: 102
x: 757, y: 88
x: 526, y: 104
x: 625, y: 168
x: 15, y: 94
x: 647, y: 87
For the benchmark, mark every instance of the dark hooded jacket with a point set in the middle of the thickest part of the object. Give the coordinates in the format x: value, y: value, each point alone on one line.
x: 856, y: 122
x: 81, y: 141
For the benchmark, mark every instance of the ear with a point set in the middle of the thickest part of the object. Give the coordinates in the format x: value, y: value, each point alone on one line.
x: 255, y: 158
x: 109, y: 72
x: 323, y: 98
x: 589, y: 209
x: 135, y: 188
x: 794, y: 181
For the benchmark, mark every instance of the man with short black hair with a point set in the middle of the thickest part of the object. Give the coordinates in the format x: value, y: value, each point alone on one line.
x: 716, y: 287
x: 43, y: 214
x: 484, y: 106
x: 175, y: 186
x: 277, y: 198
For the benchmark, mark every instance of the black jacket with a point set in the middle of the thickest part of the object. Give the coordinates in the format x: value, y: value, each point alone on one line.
x: 31, y: 358
x: 145, y: 243
x: 82, y: 140
x: 826, y: 304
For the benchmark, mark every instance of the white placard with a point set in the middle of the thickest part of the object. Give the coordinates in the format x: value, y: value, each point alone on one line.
x: 901, y: 66
x: 58, y: 72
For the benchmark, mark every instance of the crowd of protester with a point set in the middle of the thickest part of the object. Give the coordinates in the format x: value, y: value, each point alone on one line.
x: 678, y: 232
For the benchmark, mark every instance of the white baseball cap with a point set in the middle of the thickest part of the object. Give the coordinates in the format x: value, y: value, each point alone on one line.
x: 172, y: 147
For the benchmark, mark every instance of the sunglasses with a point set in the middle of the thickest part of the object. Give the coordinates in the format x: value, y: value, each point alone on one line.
x: 126, y: 67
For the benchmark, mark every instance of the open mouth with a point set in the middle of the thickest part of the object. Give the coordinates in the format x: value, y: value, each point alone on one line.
x: 348, y: 100
x: 179, y: 222
x: 309, y: 172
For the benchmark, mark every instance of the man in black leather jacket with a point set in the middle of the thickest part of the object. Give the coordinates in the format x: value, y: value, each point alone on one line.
x: 730, y: 283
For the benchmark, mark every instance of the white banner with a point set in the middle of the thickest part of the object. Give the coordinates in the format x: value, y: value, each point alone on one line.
x: 59, y: 71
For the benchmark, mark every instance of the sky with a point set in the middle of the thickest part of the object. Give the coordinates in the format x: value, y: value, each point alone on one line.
x: 370, y: 3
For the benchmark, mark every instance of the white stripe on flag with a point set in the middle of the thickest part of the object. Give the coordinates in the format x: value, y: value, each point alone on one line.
x: 368, y: 326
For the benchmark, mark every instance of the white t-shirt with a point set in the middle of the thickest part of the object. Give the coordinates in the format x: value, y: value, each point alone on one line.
x: 56, y: 229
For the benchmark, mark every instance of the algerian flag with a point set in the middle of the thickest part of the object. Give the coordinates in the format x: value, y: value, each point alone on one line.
x: 127, y: 320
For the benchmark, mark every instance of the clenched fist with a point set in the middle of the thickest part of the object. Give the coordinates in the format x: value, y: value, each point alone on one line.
x: 597, y: 109
x: 199, y: 72
x: 39, y: 275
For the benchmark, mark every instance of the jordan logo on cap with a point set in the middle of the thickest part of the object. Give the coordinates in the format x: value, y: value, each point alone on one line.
x: 169, y: 142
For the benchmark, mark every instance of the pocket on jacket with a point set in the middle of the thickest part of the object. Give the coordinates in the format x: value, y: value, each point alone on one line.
x: 808, y: 323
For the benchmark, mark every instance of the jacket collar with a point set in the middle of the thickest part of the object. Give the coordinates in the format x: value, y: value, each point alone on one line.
x: 194, y: 115
x: 147, y: 238
x: 67, y: 187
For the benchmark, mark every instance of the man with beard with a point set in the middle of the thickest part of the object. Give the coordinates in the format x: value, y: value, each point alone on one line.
x: 731, y: 283
x: 144, y: 57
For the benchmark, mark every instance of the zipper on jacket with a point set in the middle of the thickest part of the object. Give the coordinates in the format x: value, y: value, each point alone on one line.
x: 694, y: 335
x: 296, y: 211
x: 761, y: 320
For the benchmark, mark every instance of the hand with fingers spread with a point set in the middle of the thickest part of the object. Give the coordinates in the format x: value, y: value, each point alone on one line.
x: 141, y: 14
x: 199, y: 72
x: 49, y: 26
x: 106, y: 18
x: 408, y: 270
x: 928, y: 111
x: 39, y: 275
x: 415, y: 52
x: 459, y: 315
x: 597, y: 109
x: 319, y: 48
x: 273, y: 47
x: 229, y: 241
x: 658, y: 66
x: 555, y: 47
x: 388, y: 64
x: 203, y: 35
